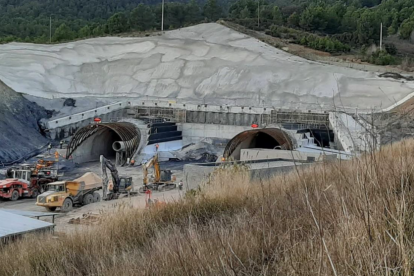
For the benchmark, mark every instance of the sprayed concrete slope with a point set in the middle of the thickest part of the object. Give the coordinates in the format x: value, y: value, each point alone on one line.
x: 207, y: 61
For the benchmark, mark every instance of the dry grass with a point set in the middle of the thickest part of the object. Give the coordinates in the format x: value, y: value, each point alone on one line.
x: 343, y: 218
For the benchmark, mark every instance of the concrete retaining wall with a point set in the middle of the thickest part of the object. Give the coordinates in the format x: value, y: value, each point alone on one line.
x: 195, y: 175
x: 193, y: 133
x: 266, y: 154
x: 67, y: 126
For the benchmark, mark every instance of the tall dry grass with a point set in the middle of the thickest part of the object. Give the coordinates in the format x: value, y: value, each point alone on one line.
x: 342, y: 218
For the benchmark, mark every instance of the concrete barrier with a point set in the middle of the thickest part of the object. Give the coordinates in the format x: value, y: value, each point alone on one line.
x: 268, y: 154
x: 198, y: 174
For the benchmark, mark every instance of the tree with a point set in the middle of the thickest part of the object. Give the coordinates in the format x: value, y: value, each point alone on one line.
x: 245, y: 13
x: 314, y: 18
x: 62, y: 33
x: 85, y: 31
x: 118, y: 23
x: 406, y: 28
x: 192, y: 12
x: 98, y: 30
x: 293, y: 20
x: 277, y: 16
x: 368, y: 27
x: 142, y: 18
x: 212, y: 11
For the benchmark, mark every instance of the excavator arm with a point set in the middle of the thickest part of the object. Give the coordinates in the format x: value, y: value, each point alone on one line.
x: 107, y: 164
x: 157, y: 173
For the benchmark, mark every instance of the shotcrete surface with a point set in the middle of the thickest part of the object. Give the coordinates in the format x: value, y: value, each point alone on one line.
x: 207, y: 62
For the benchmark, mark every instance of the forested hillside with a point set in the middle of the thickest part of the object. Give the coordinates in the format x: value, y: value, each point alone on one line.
x: 329, y: 25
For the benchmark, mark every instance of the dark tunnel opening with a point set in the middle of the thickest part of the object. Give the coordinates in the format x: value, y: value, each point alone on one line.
x: 270, y: 138
x: 263, y: 141
x: 94, y: 140
x: 96, y: 145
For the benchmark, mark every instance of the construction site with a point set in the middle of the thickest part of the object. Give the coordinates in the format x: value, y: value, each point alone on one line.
x: 144, y: 121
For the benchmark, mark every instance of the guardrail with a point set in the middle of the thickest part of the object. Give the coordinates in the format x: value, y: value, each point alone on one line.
x: 80, y: 116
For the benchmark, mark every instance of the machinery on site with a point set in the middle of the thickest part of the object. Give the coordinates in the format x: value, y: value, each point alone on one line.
x: 13, y: 189
x: 66, y: 194
x: 163, y: 180
x: 26, y: 181
x: 117, y: 185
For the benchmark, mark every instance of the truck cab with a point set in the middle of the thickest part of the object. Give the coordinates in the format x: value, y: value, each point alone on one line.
x: 66, y: 194
x: 54, y: 196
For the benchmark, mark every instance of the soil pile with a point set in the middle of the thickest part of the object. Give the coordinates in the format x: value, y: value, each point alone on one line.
x: 20, y: 134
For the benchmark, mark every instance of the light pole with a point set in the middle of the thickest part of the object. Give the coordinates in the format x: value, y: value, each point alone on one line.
x: 50, y: 29
x: 381, y: 37
x: 258, y: 13
x: 162, y: 16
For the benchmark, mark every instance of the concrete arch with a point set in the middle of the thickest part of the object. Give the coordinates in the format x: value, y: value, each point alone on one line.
x: 268, y: 138
x: 91, y: 141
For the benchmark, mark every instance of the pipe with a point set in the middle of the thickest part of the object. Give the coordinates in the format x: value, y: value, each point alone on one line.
x: 118, y: 146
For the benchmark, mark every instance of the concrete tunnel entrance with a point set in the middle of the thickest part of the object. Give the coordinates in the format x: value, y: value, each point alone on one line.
x: 113, y: 140
x: 269, y: 138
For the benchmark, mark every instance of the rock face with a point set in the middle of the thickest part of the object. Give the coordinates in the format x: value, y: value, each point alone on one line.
x: 207, y: 63
x: 19, y: 131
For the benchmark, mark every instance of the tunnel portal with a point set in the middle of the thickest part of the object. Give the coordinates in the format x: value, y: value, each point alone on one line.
x: 269, y: 138
x: 91, y: 141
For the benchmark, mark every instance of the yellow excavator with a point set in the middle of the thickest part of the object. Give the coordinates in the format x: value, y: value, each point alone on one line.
x: 163, y: 180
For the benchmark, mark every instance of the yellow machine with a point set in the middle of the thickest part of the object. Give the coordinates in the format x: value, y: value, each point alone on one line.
x: 163, y: 179
x: 66, y: 194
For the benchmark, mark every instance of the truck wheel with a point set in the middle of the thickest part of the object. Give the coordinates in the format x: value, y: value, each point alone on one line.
x: 35, y: 193
x: 67, y: 205
x: 15, y: 195
x: 87, y: 199
x: 51, y: 209
x: 96, y: 197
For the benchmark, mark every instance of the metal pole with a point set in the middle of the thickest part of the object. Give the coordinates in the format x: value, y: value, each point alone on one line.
x: 162, y: 17
x: 50, y: 29
x: 258, y: 13
x: 381, y: 38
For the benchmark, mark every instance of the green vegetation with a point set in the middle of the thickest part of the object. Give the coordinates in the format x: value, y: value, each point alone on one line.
x: 327, y: 44
x: 338, y: 218
x: 353, y: 23
x: 28, y: 20
x: 334, y: 26
x: 382, y: 58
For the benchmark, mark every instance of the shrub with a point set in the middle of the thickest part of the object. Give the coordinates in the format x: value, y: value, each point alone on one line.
x: 382, y: 58
x: 391, y: 49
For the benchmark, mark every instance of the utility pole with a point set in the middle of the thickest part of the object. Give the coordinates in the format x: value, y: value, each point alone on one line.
x: 381, y: 38
x: 162, y: 17
x: 258, y: 13
x: 50, y: 29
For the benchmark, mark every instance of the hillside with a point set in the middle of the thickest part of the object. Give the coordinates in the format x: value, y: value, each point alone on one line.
x: 341, y: 218
x: 19, y: 131
x: 206, y: 62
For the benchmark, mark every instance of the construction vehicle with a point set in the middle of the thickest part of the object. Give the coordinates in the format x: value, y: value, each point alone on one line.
x: 22, y: 183
x: 13, y: 189
x: 37, y: 175
x: 163, y: 179
x: 66, y: 194
x: 117, y: 185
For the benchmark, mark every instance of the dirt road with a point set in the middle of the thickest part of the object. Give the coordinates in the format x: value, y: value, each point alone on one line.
x: 62, y: 220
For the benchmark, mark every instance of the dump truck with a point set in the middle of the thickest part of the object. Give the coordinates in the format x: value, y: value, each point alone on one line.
x: 66, y: 194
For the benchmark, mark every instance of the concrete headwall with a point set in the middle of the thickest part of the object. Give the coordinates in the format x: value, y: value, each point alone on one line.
x: 266, y: 154
x: 198, y: 174
x: 193, y: 133
x: 67, y: 126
